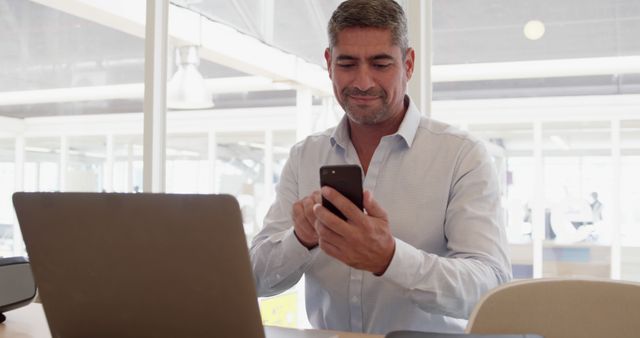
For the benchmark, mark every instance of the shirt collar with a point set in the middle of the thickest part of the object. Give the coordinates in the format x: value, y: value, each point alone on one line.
x: 407, y: 129
x: 340, y: 135
x: 409, y: 126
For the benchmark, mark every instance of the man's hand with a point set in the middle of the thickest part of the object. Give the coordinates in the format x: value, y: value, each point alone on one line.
x: 304, y: 220
x: 364, y: 241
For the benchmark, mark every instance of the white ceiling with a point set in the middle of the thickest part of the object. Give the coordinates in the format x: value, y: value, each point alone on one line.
x: 43, y: 48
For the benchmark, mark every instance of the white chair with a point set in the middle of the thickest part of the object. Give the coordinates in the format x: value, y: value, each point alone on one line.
x: 560, y: 308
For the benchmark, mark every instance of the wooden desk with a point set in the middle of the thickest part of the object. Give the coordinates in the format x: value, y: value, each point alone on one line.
x: 30, y: 322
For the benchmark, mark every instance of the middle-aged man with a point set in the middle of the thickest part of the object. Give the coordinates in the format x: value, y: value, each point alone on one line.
x: 429, y: 244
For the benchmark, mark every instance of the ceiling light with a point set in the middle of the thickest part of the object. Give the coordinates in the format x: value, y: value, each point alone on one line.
x: 534, y: 30
x: 187, y: 89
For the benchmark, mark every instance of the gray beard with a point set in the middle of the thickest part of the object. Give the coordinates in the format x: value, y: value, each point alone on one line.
x: 369, y: 119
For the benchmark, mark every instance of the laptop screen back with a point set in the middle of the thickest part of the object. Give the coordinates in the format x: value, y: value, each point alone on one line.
x: 140, y: 265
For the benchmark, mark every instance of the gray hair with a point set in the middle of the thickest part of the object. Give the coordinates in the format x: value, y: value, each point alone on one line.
x: 386, y: 14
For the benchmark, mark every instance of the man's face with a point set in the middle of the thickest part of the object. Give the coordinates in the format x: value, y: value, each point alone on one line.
x: 369, y: 74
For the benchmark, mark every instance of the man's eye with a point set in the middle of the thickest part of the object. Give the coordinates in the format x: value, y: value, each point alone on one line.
x: 345, y: 65
x: 381, y: 65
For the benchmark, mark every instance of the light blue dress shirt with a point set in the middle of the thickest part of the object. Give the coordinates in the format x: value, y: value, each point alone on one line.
x: 440, y: 190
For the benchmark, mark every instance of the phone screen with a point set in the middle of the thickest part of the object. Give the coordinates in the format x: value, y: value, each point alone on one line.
x: 346, y: 179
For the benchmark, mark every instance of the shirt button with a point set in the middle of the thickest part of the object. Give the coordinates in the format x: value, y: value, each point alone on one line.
x: 354, y: 299
x: 277, y: 276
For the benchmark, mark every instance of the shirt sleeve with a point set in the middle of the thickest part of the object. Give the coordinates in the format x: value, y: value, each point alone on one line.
x: 476, y: 261
x: 278, y: 258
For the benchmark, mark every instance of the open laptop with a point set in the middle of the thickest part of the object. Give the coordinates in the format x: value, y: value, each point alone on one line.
x: 140, y: 265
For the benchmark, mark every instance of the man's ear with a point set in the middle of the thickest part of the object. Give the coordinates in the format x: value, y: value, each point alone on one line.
x: 327, y: 58
x: 409, y: 62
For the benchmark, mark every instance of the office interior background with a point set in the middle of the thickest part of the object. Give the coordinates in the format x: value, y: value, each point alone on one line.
x: 551, y: 86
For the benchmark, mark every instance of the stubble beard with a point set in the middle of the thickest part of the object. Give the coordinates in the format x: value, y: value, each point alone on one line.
x: 362, y: 114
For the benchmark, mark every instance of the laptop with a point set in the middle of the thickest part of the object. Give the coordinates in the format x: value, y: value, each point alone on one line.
x: 140, y: 265
x: 418, y: 334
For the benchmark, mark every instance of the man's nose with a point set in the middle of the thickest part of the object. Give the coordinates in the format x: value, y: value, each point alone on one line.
x: 363, y: 80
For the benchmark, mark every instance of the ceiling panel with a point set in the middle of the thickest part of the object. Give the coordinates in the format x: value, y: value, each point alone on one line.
x: 42, y: 48
x: 470, y: 31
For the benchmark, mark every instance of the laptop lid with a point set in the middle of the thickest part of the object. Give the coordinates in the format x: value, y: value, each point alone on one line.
x: 140, y: 265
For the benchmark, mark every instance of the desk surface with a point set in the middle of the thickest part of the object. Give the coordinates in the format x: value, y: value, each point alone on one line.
x: 30, y: 322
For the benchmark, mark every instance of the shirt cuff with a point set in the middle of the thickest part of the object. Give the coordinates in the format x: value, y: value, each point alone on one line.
x: 405, y: 265
x: 295, y: 250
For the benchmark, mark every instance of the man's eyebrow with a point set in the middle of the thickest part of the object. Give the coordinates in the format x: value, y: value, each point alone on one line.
x: 376, y: 57
x: 345, y: 58
x: 382, y: 56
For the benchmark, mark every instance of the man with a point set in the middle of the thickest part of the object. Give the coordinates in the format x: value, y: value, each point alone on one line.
x: 596, y: 208
x: 430, y: 242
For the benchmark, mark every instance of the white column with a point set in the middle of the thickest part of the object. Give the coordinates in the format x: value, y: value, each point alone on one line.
x: 616, y: 165
x: 19, y: 163
x: 213, y: 155
x: 36, y: 181
x: 267, y: 20
x: 63, y: 163
x: 130, y: 166
x: 420, y: 28
x: 537, y: 208
x: 18, y: 176
x: 155, y: 102
x: 109, y: 165
x: 268, y: 166
x: 304, y: 104
x: 269, y: 190
x: 327, y: 117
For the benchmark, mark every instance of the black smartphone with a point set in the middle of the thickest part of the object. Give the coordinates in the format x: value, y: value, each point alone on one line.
x: 346, y: 179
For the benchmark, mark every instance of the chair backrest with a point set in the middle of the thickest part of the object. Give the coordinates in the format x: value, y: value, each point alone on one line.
x: 560, y: 308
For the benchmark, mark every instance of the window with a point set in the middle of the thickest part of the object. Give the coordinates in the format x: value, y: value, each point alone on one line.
x: 69, y: 86
x: 534, y: 79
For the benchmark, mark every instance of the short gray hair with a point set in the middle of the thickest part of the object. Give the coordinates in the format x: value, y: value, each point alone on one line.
x: 386, y: 14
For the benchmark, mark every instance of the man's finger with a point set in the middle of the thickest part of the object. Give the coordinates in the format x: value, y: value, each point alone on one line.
x: 328, y: 234
x: 297, y: 212
x: 350, y: 210
x: 329, y: 248
x: 316, y: 196
x: 308, y: 204
x: 304, y: 230
x: 330, y: 220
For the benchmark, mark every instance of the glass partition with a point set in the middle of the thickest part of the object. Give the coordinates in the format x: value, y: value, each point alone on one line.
x: 630, y: 197
x: 67, y: 82
x: 578, y: 175
x: 7, y: 184
x: 500, y: 64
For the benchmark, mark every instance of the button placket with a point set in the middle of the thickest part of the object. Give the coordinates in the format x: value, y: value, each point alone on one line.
x: 355, y: 299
